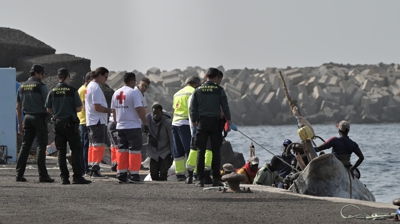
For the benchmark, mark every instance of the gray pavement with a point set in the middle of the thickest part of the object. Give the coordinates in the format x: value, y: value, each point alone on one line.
x: 106, y: 201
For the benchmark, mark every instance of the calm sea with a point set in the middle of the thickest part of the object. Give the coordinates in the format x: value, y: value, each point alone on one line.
x: 379, y: 143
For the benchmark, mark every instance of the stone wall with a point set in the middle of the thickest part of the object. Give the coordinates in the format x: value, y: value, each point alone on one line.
x: 326, y: 94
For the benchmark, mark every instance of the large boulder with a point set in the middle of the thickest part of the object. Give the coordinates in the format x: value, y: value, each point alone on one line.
x: 15, y: 44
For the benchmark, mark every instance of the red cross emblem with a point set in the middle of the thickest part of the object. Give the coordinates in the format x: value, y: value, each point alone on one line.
x: 121, y: 97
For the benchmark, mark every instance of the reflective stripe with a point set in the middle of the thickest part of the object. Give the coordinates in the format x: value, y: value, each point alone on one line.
x: 135, y: 152
x: 182, y: 94
x: 180, y: 166
x: 208, y: 160
x: 191, y: 162
x: 135, y: 162
x: 97, y: 144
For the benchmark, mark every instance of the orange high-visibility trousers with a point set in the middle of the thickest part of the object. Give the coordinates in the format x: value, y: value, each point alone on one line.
x: 135, y: 161
x: 90, y: 155
x: 114, y: 150
x: 122, y: 161
x: 97, y: 153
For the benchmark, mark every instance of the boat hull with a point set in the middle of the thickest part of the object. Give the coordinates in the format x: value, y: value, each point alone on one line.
x: 326, y: 176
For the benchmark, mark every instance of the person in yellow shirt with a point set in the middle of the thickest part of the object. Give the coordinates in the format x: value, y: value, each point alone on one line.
x: 82, y: 126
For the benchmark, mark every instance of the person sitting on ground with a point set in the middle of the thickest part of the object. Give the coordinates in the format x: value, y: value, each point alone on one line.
x: 227, y: 168
x: 343, y: 146
x: 268, y: 174
x: 159, y: 147
x: 249, y: 169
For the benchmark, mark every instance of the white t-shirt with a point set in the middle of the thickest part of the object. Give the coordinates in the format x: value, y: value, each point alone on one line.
x: 142, y: 97
x: 94, y: 95
x: 124, y: 101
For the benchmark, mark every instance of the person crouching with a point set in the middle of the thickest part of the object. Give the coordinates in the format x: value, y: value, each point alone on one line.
x: 249, y: 169
x: 160, y: 144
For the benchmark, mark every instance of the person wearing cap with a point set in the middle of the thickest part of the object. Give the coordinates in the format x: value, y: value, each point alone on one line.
x: 63, y: 102
x: 268, y: 174
x: 205, y: 113
x: 82, y: 125
x: 250, y: 169
x: 30, y: 101
x: 96, y: 119
x: 285, y: 169
x: 343, y: 146
x: 180, y: 126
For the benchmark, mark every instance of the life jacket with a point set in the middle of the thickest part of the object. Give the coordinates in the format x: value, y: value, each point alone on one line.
x: 249, y: 173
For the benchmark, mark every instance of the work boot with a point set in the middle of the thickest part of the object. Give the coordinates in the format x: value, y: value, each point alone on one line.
x: 122, y: 178
x: 20, y: 179
x: 81, y: 180
x: 217, y: 183
x: 46, y: 179
x: 134, y: 178
x: 207, y: 177
x: 114, y: 167
x: 200, y: 183
x: 189, y: 179
x: 65, y: 181
x: 180, y: 177
x: 97, y: 175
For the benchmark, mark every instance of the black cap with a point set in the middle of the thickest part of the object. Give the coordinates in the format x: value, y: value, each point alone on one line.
x: 38, y: 68
x: 63, y: 71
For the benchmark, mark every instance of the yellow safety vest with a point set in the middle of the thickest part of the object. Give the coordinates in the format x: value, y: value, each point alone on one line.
x: 180, y: 103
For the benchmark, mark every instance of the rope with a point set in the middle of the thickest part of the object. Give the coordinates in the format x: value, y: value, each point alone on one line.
x: 268, y: 151
x: 363, y: 215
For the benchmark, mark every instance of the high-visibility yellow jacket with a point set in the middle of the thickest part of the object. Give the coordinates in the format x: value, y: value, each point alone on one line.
x: 180, y: 103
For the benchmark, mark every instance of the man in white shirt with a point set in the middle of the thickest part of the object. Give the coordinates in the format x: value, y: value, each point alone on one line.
x: 96, y: 120
x: 129, y: 114
x: 144, y: 84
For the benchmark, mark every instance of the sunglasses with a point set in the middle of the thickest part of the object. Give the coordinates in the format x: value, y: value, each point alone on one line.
x: 145, y: 86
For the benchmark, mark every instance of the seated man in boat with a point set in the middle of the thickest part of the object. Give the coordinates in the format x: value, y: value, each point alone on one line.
x: 268, y: 174
x: 249, y: 169
x: 343, y: 146
x: 287, y: 156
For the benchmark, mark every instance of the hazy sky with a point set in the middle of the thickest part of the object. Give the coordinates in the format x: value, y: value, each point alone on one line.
x: 169, y: 34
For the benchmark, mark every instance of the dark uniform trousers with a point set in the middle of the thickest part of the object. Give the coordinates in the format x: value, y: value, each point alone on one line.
x: 67, y: 130
x: 209, y: 127
x: 34, y: 127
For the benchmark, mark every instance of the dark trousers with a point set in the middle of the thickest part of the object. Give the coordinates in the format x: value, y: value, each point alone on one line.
x: 182, y: 137
x: 85, y: 148
x: 68, y: 131
x: 159, y: 169
x: 209, y: 128
x: 34, y: 127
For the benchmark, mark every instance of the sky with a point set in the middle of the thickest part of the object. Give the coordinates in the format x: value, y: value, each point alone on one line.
x: 169, y: 34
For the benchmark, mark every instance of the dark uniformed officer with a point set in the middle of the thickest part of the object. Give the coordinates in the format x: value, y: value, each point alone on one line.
x: 207, y: 101
x: 63, y: 102
x: 31, y: 98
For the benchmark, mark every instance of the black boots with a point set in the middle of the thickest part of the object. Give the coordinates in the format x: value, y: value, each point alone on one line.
x: 207, y: 177
x: 189, y: 179
x: 200, y: 183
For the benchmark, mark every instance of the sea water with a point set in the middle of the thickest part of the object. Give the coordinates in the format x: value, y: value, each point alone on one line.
x: 379, y: 143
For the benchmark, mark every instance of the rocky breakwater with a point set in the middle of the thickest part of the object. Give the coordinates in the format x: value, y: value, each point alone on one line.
x: 325, y: 94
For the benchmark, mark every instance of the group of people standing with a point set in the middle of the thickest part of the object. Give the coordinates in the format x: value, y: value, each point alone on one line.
x: 79, y: 118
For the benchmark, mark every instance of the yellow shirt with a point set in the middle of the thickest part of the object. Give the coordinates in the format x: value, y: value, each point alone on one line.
x: 82, y: 114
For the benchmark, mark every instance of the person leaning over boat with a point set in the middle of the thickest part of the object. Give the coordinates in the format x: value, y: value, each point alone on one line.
x: 63, y: 102
x: 205, y: 114
x: 285, y: 169
x: 249, y: 169
x: 343, y: 146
